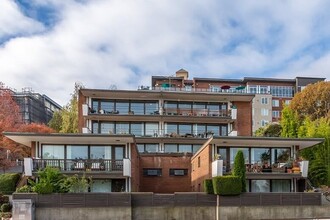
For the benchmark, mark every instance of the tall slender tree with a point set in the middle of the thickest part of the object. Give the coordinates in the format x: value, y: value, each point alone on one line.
x: 239, y: 169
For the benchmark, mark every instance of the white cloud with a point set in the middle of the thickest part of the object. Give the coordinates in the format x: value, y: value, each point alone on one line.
x: 100, y: 43
x: 13, y: 22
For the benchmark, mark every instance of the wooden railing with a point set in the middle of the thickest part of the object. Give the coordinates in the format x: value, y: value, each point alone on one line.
x: 79, y: 165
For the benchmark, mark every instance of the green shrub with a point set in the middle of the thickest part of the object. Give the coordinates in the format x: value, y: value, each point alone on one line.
x: 239, y: 169
x: 3, y: 199
x: 24, y: 189
x: 227, y: 185
x: 74, y: 184
x: 49, y: 181
x: 208, y: 186
x: 8, y: 182
x: 43, y: 188
x: 6, y: 207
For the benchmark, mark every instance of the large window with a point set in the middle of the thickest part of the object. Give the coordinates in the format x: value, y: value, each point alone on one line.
x: 53, y: 151
x: 100, y: 152
x: 122, y: 128
x: 185, y: 148
x: 137, y: 108
x: 260, y: 186
x: 151, y: 129
x: 76, y: 152
x: 107, y: 106
x: 233, y: 152
x: 106, y: 128
x: 171, y: 148
x: 171, y: 128
x: 137, y: 129
x: 151, y: 108
x: 122, y: 107
x: 280, y: 185
x: 282, y: 91
x: 185, y: 129
x: 280, y: 155
x: 260, y: 155
x: 151, y: 147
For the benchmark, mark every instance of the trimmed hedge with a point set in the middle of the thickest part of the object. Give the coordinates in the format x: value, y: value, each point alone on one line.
x: 8, y: 182
x: 208, y: 186
x: 227, y: 185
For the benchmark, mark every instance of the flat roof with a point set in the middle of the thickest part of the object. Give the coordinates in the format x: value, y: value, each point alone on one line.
x: 247, y: 79
x: 246, y: 141
x: 76, y: 138
x: 169, y: 95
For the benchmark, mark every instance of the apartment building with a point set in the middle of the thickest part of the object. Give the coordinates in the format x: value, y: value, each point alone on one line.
x: 34, y: 107
x: 167, y: 138
x: 271, y: 94
x: 169, y: 127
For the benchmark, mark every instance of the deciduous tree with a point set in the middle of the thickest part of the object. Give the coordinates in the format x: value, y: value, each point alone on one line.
x: 313, y: 101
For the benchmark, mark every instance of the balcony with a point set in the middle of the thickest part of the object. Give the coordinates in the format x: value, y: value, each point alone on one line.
x: 76, y: 165
x: 197, y: 112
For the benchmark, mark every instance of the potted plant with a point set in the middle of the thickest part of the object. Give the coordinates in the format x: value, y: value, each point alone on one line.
x: 289, y: 165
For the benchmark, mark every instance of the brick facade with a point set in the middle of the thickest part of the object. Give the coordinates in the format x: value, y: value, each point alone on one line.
x: 165, y: 183
x: 201, y: 168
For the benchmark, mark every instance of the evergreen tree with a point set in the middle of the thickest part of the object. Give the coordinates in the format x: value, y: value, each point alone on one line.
x: 239, y: 168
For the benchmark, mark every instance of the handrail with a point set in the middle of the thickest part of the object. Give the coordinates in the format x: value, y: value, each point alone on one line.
x: 106, y: 165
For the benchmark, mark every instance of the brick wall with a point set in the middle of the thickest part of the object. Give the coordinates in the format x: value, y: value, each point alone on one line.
x: 135, y: 169
x: 165, y: 183
x: 201, y: 168
x: 243, y: 124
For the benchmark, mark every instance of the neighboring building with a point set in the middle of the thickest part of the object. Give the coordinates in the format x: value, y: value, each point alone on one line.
x: 34, y: 107
x: 271, y: 93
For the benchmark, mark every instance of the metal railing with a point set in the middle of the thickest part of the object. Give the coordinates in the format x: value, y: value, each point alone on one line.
x: 171, y: 111
x: 79, y: 165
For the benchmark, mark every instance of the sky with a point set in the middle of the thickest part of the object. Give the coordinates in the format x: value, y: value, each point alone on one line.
x: 49, y: 45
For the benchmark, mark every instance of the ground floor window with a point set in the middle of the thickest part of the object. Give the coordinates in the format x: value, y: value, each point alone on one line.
x: 108, y: 185
x: 260, y: 186
x: 268, y: 185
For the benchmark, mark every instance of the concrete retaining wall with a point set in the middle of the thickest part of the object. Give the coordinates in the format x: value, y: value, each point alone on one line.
x: 274, y: 212
x: 182, y: 213
x: 104, y: 213
x: 178, y: 206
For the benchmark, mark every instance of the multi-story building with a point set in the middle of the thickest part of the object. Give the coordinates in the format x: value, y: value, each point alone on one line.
x: 271, y: 94
x: 169, y: 126
x: 166, y: 139
x: 34, y: 107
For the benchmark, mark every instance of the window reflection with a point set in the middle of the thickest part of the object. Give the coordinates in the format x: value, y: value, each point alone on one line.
x: 76, y: 152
